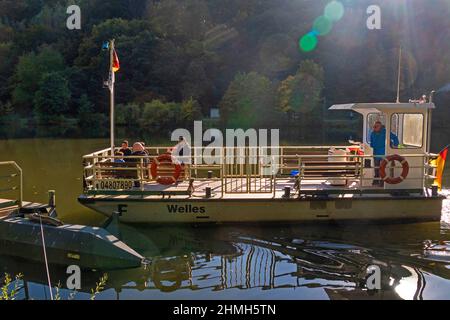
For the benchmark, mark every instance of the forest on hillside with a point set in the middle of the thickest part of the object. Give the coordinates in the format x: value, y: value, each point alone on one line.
x: 263, y: 63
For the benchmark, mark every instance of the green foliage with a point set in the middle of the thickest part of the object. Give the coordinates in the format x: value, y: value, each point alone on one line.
x: 85, y: 108
x: 6, y: 292
x: 51, y: 100
x: 215, y: 52
x: 99, y: 286
x: 188, y: 19
x: 302, y: 92
x: 87, y: 117
x: 190, y: 111
x: 128, y: 114
x: 30, y: 72
x: 6, y: 109
x: 160, y: 117
x: 57, y: 296
x: 248, y: 101
x: 6, y: 68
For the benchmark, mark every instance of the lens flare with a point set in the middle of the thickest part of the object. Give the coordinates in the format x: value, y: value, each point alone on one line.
x: 322, y: 26
x: 308, y: 42
x: 334, y: 11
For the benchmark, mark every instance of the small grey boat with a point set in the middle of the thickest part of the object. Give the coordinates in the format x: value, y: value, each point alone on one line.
x: 25, y: 228
x: 66, y: 244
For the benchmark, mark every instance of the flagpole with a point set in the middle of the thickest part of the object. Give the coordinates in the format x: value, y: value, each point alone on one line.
x: 399, y: 73
x: 111, y: 90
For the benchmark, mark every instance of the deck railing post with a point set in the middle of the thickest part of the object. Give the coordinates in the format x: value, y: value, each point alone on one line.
x: 20, y: 174
x: 195, y: 161
x: 424, y: 160
x: 246, y: 161
x: 20, y: 185
x: 221, y: 180
x: 274, y: 178
x: 141, y: 175
x: 361, y: 171
x: 300, y: 174
x: 94, y: 172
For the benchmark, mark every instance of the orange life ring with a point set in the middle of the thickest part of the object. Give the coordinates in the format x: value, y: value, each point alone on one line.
x: 405, y: 169
x: 165, y: 160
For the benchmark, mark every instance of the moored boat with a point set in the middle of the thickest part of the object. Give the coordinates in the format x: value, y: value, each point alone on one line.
x: 298, y: 183
x: 33, y: 232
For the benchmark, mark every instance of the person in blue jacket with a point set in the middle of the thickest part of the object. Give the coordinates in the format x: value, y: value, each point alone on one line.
x: 378, y: 144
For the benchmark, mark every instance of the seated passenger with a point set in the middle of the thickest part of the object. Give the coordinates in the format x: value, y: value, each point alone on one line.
x: 378, y: 144
x: 119, y: 160
x: 125, y: 149
x: 143, y: 145
x: 138, y: 150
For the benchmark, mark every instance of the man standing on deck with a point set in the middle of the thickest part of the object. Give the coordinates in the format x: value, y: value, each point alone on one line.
x: 378, y: 144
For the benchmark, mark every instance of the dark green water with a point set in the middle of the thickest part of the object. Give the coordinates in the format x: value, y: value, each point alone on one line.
x: 235, y: 262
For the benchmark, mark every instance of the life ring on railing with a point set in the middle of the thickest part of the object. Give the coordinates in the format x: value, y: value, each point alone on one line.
x: 405, y: 169
x: 165, y: 160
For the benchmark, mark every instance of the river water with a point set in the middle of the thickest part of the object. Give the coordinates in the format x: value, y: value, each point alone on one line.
x: 234, y: 262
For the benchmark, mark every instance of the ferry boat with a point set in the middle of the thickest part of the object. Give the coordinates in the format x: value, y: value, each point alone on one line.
x: 309, y: 183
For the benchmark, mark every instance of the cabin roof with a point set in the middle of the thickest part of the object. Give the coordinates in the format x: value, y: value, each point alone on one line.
x: 384, y: 106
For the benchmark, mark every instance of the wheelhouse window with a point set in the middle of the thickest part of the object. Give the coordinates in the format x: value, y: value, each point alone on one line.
x: 372, y: 118
x: 409, y: 129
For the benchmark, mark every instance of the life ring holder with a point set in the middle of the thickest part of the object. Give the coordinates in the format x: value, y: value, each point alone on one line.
x: 165, y: 159
x: 403, y: 175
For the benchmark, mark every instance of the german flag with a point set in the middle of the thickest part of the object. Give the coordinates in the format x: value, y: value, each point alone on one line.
x: 439, y: 163
x: 116, y: 63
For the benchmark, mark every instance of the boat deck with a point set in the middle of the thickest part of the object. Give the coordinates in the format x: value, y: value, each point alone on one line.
x: 312, y: 171
x: 7, y: 206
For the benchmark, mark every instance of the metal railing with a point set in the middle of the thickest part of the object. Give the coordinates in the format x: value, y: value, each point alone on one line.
x: 7, y: 179
x: 247, y: 169
x: 358, y: 167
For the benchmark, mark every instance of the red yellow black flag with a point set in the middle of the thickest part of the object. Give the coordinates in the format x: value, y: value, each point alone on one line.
x: 439, y: 164
x: 116, y: 63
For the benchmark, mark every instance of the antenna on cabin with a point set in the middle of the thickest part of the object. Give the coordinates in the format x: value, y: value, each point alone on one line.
x: 431, y: 100
x: 399, y: 73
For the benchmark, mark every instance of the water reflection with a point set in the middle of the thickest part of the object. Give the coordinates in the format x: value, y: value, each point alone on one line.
x: 290, y: 262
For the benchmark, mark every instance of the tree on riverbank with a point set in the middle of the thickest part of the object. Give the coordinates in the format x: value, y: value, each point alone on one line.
x: 300, y: 97
x: 29, y: 77
x: 171, y: 51
x: 52, y: 98
x: 248, y: 101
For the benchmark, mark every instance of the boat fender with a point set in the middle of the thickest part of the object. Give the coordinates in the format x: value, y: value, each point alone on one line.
x: 403, y: 175
x: 165, y: 160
